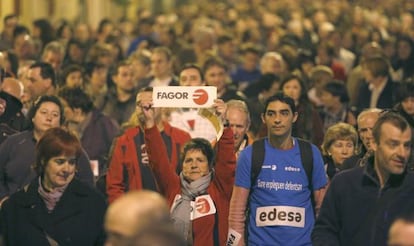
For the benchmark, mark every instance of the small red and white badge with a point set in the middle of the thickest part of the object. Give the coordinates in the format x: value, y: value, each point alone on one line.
x: 202, y: 206
x: 184, y: 96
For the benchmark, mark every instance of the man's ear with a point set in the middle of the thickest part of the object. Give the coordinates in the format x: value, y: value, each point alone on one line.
x: 295, y: 117
x: 263, y: 119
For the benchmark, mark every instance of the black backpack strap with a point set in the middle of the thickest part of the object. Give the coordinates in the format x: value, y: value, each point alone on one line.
x: 306, y: 155
x: 258, y: 154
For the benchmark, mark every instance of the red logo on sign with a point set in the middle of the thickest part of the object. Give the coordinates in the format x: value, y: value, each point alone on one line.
x: 203, y: 206
x: 200, y: 96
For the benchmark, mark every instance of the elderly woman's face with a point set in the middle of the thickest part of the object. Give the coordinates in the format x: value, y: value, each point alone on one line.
x: 59, y: 171
x: 195, y: 165
x: 341, y: 150
x: 47, y: 116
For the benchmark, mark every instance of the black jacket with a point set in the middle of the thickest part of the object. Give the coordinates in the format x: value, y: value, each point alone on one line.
x: 76, y: 220
x: 356, y: 211
x: 385, y: 99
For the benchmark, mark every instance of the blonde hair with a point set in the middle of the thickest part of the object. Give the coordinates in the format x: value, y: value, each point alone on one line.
x: 339, y: 131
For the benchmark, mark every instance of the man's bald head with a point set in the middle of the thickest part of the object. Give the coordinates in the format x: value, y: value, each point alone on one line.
x: 13, y: 87
x: 132, y: 212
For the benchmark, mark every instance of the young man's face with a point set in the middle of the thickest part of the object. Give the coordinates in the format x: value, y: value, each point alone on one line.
x: 250, y: 61
x: 38, y: 85
x: 124, y: 79
x: 160, y: 65
x: 190, y: 77
x: 279, y: 118
x: 393, y: 149
x: 216, y: 76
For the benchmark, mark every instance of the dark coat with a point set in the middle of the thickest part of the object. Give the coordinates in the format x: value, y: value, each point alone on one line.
x: 112, y: 107
x: 385, y: 100
x: 97, y: 138
x: 76, y: 220
x: 13, y: 115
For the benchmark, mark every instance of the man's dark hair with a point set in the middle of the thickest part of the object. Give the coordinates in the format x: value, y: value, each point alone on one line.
x: 280, y: 96
x: 338, y: 89
x: 8, y: 17
x: 76, y: 98
x: 90, y: 67
x: 20, y: 30
x: 122, y: 63
x: 194, y: 66
x: 264, y: 83
x: 214, y: 61
x: 46, y: 71
x: 404, y: 91
x: 394, y: 119
x: 251, y: 48
x: 222, y: 39
x: 47, y: 32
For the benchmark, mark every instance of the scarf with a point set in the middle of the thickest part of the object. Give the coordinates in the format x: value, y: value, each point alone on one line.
x: 180, y: 213
x: 50, y: 198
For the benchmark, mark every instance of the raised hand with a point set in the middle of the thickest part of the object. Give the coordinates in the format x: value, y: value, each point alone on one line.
x: 220, y: 108
x: 145, y: 103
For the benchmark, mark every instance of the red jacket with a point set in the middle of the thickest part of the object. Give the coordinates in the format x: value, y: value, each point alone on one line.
x: 205, y: 229
x: 124, y: 172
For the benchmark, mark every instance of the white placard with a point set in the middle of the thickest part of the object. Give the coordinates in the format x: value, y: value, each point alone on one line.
x: 184, y: 96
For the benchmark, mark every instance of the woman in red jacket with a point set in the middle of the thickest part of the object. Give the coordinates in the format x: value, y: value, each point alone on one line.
x: 199, y: 196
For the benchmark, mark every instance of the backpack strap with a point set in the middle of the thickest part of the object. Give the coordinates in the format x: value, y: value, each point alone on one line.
x: 258, y: 154
x: 306, y: 155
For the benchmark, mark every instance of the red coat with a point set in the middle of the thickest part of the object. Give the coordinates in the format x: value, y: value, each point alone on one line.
x: 220, y: 187
x: 124, y: 171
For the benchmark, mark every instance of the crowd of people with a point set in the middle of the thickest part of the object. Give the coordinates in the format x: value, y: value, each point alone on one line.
x: 315, y: 102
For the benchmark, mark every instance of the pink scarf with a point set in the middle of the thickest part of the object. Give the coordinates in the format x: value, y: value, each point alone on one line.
x: 50, y: 198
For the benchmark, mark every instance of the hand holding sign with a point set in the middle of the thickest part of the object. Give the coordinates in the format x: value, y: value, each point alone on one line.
x: 146, y: 116
x: 184, y: 96
x: 220, y: 108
